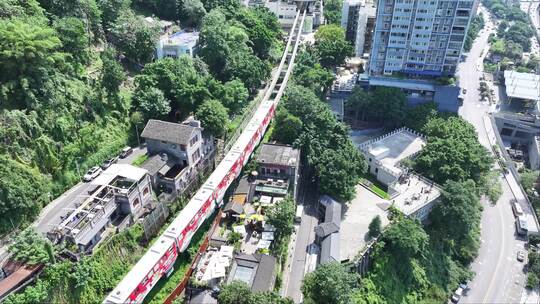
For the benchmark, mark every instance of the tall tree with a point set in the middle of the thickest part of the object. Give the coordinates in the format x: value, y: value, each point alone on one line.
x: 281, y: 216
x: 23, y: 191
x: 236, y: 292
x: 458, y: 214
x: 192, y: 12
x: 213, y: 116
x: 287, y: 127
x: 75, y: 40
x: 330, y: 283
x: 331, y: 45
x: 152, y: 103
x: 406, y: 238
x: 30, y: 57
x: 112, y: 73
x: 30, y: 248
x: 135, y: 37
x: 111, y: 10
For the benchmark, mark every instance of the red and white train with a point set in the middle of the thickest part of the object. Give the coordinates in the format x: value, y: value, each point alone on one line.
x: 160, y: 258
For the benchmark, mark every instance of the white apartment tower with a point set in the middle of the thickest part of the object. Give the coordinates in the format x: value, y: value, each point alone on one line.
x: 420, y: 37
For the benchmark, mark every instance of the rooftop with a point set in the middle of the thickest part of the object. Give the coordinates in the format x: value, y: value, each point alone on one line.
x: 256, y: 270
x: 393, y: 147
x: 154, y: 164
x: 125, y: 171
x: 276, y: 154
x: 330, y: 249
x: 168, y: 131
x: 414, y: 193
x: 408, y: 84
x: 181, y: 37
x: 522, y: 85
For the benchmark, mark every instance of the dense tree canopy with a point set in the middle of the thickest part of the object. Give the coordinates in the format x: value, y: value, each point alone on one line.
x: 23, y: 191
x: 324, y: 141
x: 330, y: 283
x: 383, y: 105
x: 281, y: 216
x: 31, y: 248
x: 452, y: 152
x: 213, y: 116
x: 332, y: 11
x: 331, y: 45
x: 135, y: 37
x: 458, y: 215
x: 238, y: 292
x: 287, y: 127
x: 30, y: 57
x: 406, y: 238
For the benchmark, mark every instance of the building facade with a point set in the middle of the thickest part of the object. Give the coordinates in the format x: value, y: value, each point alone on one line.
x: 358, y: 20
x: 279, y: 164
x: 177, y: 153
x: 420, y: 37
x: 177, y: 44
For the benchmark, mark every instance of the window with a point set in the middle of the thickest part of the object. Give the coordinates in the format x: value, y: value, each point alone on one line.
x: 146, y: 190
x: 195, y: 156
x: 136, y: 202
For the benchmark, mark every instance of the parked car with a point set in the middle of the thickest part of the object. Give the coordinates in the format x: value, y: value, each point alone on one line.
x: 107, y: 163
x: 92, y: 173
x: 520, y: 256
x: 126, y: 151
x: 456, y: 296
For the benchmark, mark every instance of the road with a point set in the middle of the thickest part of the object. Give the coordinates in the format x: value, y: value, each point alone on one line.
x: 50, y: 215
x: 499, y: 276
x: 300, y: 261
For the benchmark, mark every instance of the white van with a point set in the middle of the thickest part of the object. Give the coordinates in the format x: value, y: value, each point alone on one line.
x: 299, y: 212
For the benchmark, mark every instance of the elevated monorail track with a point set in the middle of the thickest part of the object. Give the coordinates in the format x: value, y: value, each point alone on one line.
x: 160, y: 257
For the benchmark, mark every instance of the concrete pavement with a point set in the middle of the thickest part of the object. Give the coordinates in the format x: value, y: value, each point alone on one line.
x: 499, y: 276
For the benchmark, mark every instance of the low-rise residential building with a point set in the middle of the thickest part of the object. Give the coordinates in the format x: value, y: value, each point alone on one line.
x: 258, y: 271
x: 412, y: 194
x: 327, y: 233
x: 177, y: 44
x: 121, y: 190
x: 278, y: 169
x: 177, y: 152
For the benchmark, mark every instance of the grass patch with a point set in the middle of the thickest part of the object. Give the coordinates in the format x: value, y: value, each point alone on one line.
x: 376, y: 187
x: 140, y: 160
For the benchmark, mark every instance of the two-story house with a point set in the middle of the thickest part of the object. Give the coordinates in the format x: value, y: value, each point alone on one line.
x: 176, y: 152
x: 278, y: 167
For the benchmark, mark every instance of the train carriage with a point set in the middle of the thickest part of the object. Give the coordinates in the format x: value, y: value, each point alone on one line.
x: 156, y: 262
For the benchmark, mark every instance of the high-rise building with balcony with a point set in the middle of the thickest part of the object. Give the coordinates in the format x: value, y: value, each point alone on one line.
x: 420, y: 37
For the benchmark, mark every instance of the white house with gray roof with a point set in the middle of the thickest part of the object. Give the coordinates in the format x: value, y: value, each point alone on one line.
x: 176, y: 152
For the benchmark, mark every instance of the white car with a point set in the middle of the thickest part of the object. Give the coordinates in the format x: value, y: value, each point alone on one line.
x: 457, y: 295
x: 92, y: 173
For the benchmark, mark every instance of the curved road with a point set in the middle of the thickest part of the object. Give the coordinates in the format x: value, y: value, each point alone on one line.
x: 499, y: 276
